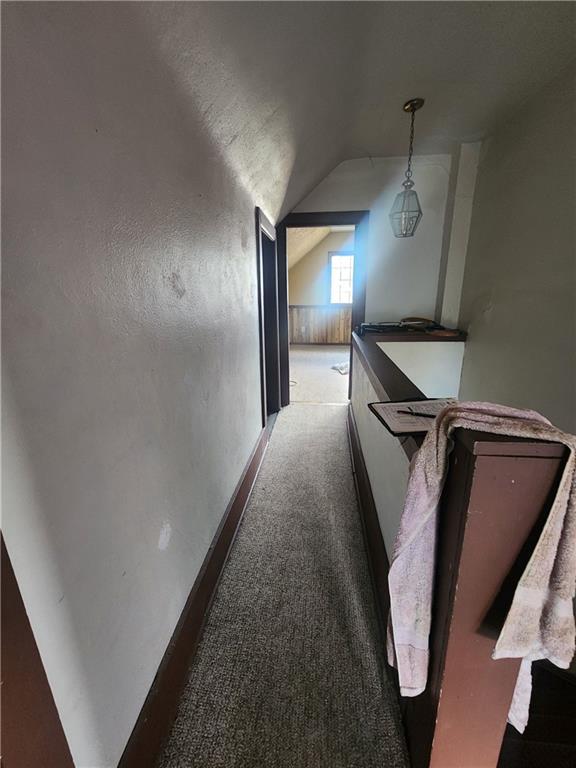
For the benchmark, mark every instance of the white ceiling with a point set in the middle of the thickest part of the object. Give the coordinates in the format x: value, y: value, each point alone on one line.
x: 286, y: 91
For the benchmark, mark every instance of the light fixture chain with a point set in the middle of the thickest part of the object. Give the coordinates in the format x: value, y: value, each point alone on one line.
x: 410, y: 150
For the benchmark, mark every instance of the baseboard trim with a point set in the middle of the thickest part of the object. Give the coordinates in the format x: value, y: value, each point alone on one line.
x: 161, y: 704
x: 377, y: 556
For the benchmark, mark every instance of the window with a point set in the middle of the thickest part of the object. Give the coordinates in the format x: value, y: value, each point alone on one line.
x: 341, y: 271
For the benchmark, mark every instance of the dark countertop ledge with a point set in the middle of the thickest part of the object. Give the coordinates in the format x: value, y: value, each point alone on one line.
x: 391, y: 383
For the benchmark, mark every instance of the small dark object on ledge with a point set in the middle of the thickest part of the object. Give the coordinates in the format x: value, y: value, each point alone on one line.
x: 409, y: 325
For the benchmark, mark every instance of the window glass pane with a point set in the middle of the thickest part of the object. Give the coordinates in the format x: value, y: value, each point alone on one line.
x: 342, y: 269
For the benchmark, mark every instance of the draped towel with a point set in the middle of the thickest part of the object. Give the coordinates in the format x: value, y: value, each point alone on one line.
x: 540, y: 622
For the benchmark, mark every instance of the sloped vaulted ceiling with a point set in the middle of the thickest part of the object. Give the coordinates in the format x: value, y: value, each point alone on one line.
x: 288, y: 90
x: 301, y: 240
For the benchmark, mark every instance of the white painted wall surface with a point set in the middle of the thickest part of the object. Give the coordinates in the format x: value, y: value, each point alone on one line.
x: 519, y: 296
x: 130, y: 320
x: 459, y: 233
x: 402, y: 273
x: 386, y: 463
x: 435, y: 367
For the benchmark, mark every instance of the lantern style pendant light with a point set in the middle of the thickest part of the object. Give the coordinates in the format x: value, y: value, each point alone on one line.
x: 406, y: 212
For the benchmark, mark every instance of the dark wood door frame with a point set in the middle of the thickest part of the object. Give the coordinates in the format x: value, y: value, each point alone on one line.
x: 269, y: 303
x: 283, y: 325
x: 360, y: 220
x: 271, y: 335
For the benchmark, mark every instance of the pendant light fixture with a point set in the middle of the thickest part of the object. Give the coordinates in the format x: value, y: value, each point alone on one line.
x: 406, y: 212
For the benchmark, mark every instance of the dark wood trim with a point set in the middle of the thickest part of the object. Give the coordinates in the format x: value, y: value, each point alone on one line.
x: 32, y: 733
x: 271, y: 324
x: 159, y: 710
x: 377, y: 556
x: 388, y: 380
x: 283, y: 322
x: 323, y: 218
x: 261, y: 330
x: 431, y: 336
x: 272, y: 316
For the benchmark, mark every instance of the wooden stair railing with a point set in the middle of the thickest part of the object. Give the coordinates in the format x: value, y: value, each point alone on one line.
x: 496, y: 491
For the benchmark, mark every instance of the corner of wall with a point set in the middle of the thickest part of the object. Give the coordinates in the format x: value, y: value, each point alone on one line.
x: 458, y: 232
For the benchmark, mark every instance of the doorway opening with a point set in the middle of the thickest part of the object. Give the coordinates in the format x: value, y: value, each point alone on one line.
x: 325, y: 264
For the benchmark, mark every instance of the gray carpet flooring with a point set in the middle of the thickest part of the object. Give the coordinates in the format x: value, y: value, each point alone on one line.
x: 312, y: 379
x: 290, y: 672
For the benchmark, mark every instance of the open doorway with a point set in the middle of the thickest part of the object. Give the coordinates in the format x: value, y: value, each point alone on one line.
x: 325, y: 260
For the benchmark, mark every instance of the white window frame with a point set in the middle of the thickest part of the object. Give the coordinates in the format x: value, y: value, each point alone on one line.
x: 331, y: 255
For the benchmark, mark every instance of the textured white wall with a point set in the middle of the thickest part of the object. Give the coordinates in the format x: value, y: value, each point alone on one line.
x: 434, y: 367
x: 459, y: 233
x: 402, y: 274
x: 519, y: 296
x: 130, y: 354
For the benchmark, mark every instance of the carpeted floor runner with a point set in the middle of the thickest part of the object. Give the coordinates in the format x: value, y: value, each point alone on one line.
x: 312, y: 377
x: 290, y: 672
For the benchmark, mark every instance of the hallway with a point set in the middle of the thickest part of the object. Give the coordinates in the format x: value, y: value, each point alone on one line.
x: 291, y: 670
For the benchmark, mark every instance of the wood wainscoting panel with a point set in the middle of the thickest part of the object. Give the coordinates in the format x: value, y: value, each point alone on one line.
x: 320, y: 323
